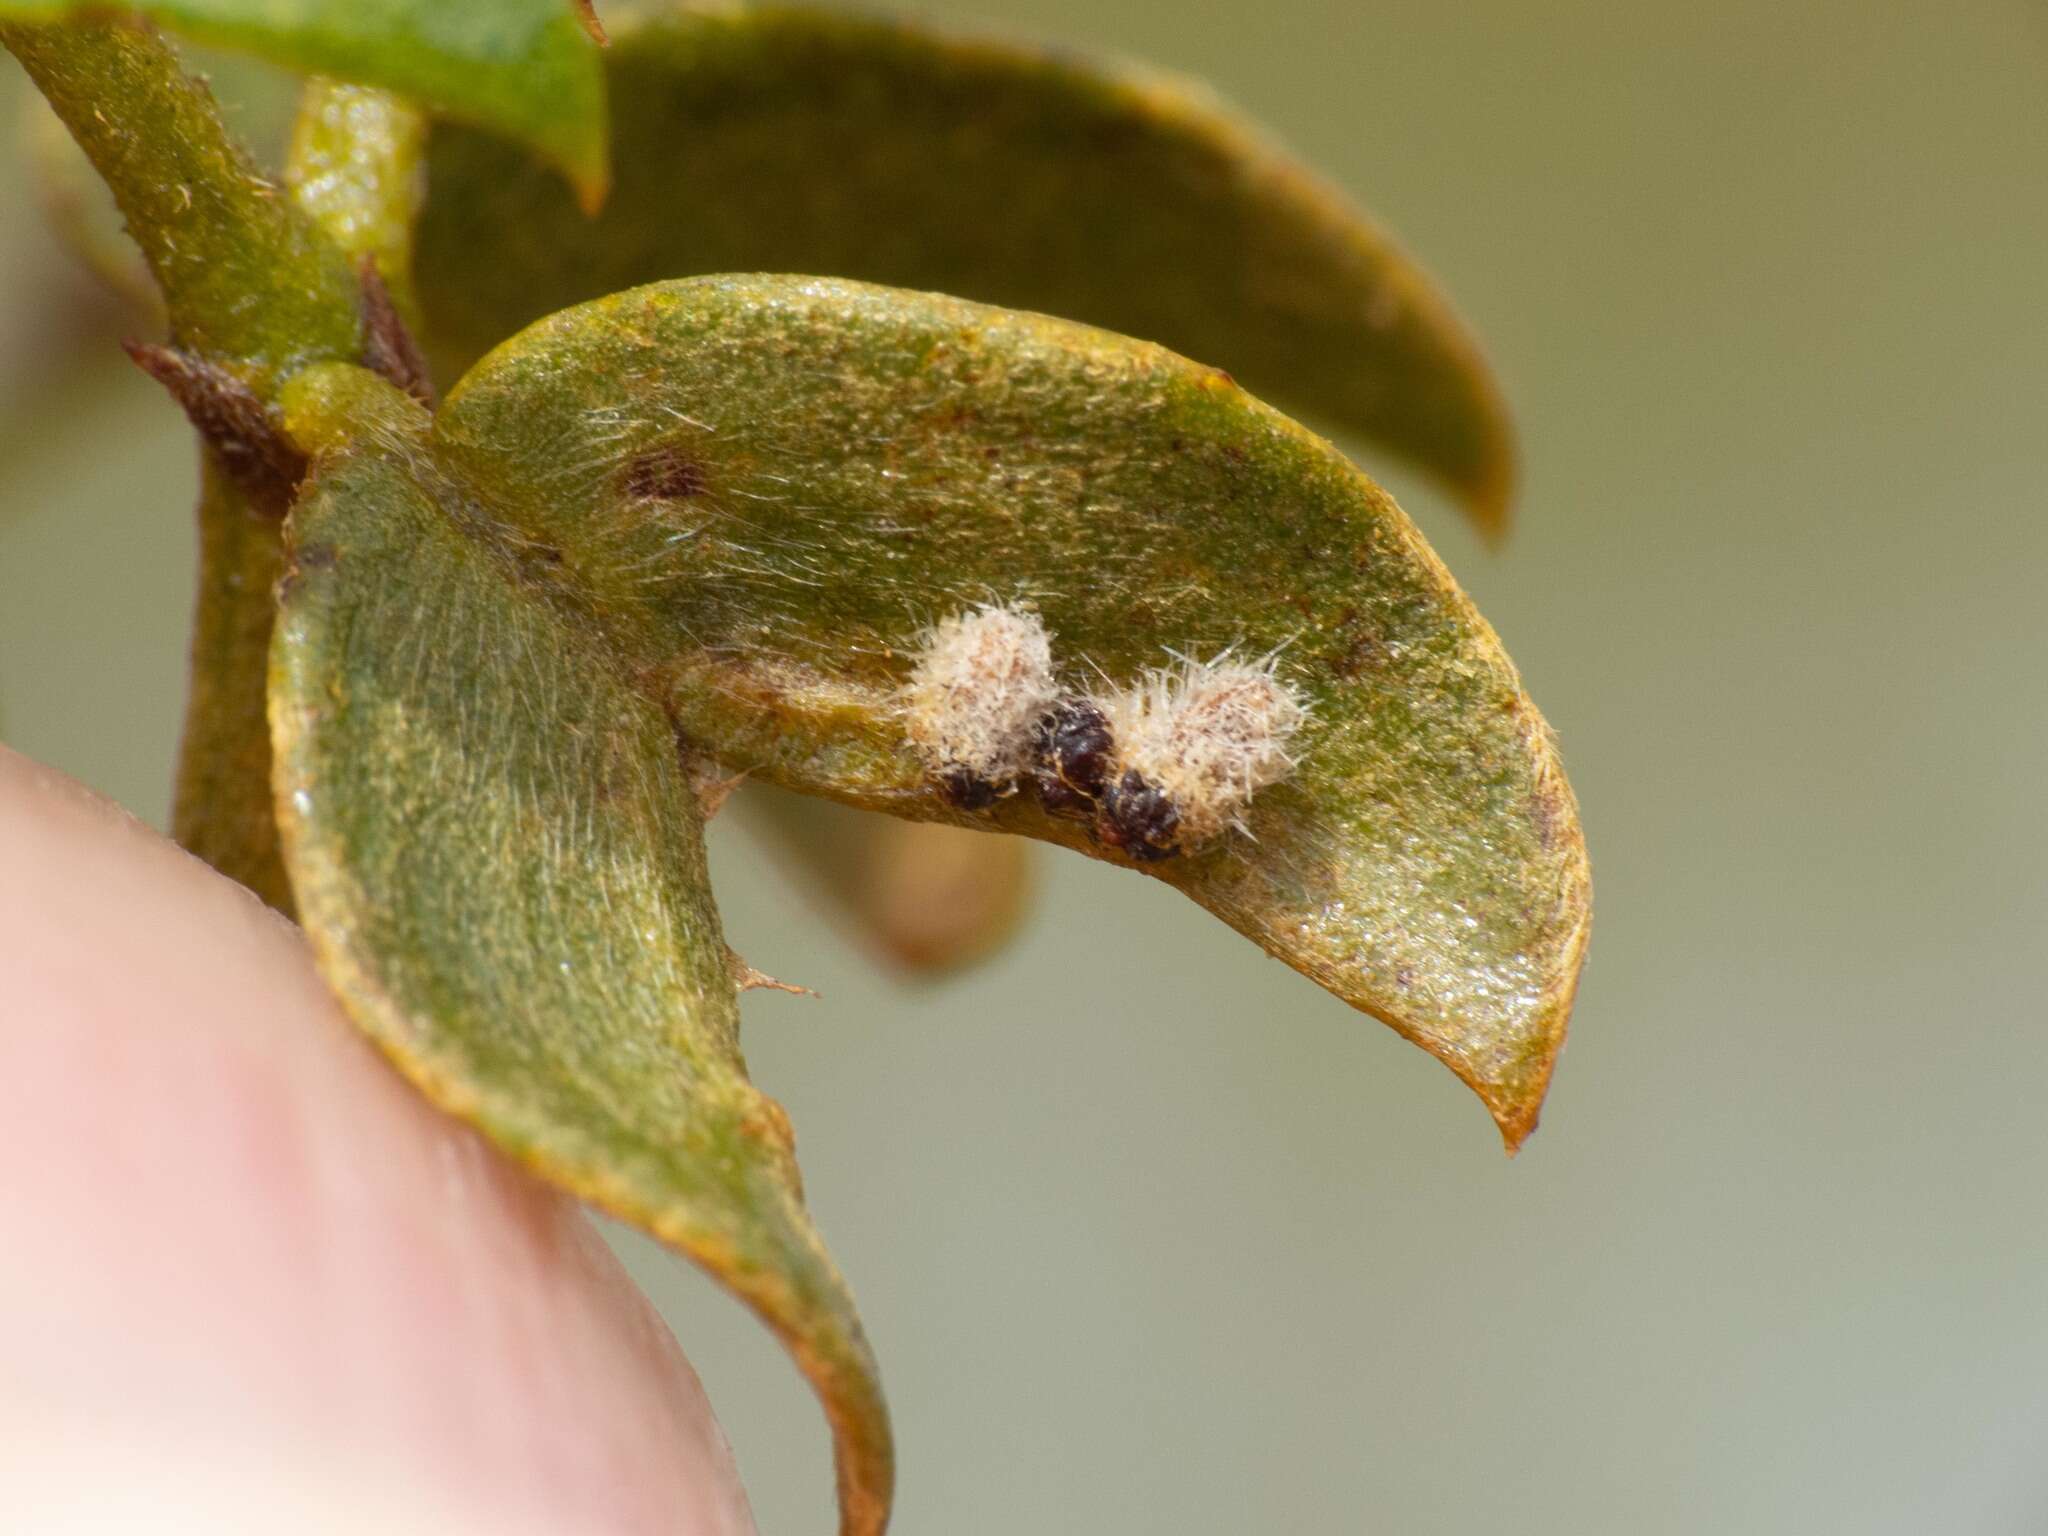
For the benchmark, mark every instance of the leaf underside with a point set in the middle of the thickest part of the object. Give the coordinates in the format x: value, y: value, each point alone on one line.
x: 767, y: 487
x: 710, y: 520
x: 785, y: 140
x: 522, y: 68
x: 498, y: 856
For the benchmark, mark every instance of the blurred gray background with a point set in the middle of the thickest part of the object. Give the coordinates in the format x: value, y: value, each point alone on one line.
x: 1150, y: 1234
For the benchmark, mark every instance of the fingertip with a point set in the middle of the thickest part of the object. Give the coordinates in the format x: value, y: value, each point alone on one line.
x: 231, y: 1227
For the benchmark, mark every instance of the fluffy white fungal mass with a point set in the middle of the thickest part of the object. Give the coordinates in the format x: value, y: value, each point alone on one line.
x: 979, y: 688
x: 1210, y: 734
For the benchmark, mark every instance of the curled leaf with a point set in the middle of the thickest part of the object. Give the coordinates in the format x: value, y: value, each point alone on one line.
x: 498, y: 858
x: 786, y: 140
x: 767, y: 488
x: 522, y: 68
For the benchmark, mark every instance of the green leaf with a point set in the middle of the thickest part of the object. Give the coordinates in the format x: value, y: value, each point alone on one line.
x: 355, y: 166
x: 794, y: 141
x: 768, y: 487
x: 523, y: 68
x: 498, y: 857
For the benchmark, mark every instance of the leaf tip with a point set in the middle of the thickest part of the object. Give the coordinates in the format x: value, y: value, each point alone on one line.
x: 1515, y: 1099
x: 586, y: 16
x: 1490, y: 493
x: 578, y: 140
x: 592, y: 184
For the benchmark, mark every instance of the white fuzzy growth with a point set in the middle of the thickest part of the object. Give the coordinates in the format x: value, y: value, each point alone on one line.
x: 1211, y: 734
x: 978, y: 689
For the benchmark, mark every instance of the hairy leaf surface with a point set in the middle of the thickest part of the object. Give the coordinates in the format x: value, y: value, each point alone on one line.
x: 523, y: 68
x: 785, y: 140
x: 766, y: 488
x: 498, y: 856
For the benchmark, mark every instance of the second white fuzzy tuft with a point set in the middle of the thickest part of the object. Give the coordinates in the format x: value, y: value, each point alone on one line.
x: 1210, y: 734
x: 979, y: 688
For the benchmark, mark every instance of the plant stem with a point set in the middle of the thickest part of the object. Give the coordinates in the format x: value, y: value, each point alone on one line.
x: 248, y: 278
x: 222, y: 809
x: 255, y: 288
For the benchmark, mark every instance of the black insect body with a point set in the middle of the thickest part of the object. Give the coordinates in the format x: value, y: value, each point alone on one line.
x: 1073, y: 750
x: 1139, y: 817
x: 1073, y: 768
x: 968, y: 789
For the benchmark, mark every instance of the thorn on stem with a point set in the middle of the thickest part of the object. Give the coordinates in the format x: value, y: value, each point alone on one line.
x: 231, y: 421
x: 388, y: 345
x: 747, y: 979
x: 714, y: 789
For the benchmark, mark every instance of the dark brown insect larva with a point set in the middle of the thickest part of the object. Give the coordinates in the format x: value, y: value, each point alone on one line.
x: 967, y: 789
x: 1139, y: 817
x: 1073, y: 751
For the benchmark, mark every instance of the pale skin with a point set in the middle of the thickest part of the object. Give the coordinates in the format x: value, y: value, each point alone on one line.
x: 249, y: 1281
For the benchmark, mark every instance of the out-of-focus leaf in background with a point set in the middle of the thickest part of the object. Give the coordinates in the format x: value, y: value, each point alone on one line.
x: 786, y: 140
x: 768, y: 487
x: 523, y: 68
x: 922, y: 896
x: 498, y: 854
x: 355, y: 166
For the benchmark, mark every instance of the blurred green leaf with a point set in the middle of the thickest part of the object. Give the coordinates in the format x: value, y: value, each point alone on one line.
x: 795, y: 141
x: 356, y: 166
x: 498, y: 857
x: 523, y: 68
x: 767, y: 487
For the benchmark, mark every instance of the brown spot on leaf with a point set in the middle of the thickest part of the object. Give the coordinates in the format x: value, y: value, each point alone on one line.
x: 666, y: 474
x: 1355, y: 649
